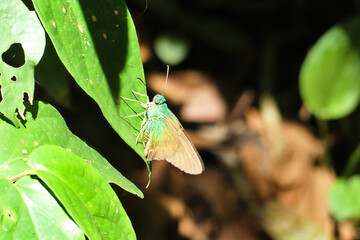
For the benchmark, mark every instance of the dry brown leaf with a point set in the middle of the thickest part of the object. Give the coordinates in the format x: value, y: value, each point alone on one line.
x: 347, y: 231
x: 292, y: 177
x: 175, y: 206
x: 145, y: 52
x: 190, y: 229
x: 237, y: 229
x: 284, y: 223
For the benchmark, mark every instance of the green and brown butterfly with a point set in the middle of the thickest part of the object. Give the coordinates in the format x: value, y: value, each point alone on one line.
x: 164, y: 137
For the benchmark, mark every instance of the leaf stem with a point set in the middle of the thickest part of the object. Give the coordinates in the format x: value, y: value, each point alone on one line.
x: 323, y: 126
x: 22, y: 174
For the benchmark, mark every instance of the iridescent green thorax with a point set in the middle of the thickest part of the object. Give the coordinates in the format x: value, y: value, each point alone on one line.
x: 157, y: 108
x: 157, y: 112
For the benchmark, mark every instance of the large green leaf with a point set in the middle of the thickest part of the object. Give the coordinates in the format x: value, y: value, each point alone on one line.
x: 17, y: 63
x: 45, y: 126
x: 97, y: 43
x: 28, y: 211
x: 344, y: 198
x: 85, y: 194
x: 330, y: 74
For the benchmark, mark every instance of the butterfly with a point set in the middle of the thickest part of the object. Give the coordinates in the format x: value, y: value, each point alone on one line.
x: 164, y: 137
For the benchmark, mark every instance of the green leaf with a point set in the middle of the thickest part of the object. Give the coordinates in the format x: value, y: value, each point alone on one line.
x: 28, y: 211
x: 330, y: 74
x: 344, y: 198
x: 171, y: 49
x: 85, y: 194
x: 98, y: 45
x: 45, y: 126
x: 21, y: 46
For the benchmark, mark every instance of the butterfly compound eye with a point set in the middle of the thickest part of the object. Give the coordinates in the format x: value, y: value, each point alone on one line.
x: 157, y: 101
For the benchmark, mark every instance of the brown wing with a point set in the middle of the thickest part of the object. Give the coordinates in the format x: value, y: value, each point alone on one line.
x: 167, y: 140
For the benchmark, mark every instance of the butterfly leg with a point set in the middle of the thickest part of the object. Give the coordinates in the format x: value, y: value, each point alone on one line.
x: 140, y: 94
x: 144, y: 105
x: 133, y: 100
x: 137, y: 137
x: 144, y: 95
x: 135, y: 115
x: 142, y: 128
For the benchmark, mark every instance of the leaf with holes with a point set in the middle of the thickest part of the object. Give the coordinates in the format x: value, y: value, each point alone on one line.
x: 28, y: 211
x: 98, y: 45
x: 84, y: 193
x: 45, y: 126
x: 21, y: 47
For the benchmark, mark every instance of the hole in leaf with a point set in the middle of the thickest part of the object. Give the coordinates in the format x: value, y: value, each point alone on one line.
x: 26, y: 97
x: 14, y: 79
x: 14, y: 56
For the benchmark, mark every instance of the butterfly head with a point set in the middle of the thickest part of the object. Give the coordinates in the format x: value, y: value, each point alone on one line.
x: 159, y: 99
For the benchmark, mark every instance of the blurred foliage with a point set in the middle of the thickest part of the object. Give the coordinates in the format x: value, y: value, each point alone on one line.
x: 330, y: 75
x: 344, y: 198
x: 301, y: 52
x: 330, y: 89
x: 171, y: 49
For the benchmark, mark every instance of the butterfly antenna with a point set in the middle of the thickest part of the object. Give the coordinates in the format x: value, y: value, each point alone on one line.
x: 145, y: 9
x: 166, y: 80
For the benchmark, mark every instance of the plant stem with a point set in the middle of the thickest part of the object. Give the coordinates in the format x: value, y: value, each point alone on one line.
x: 323, y: 126
x: 22, y: 174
